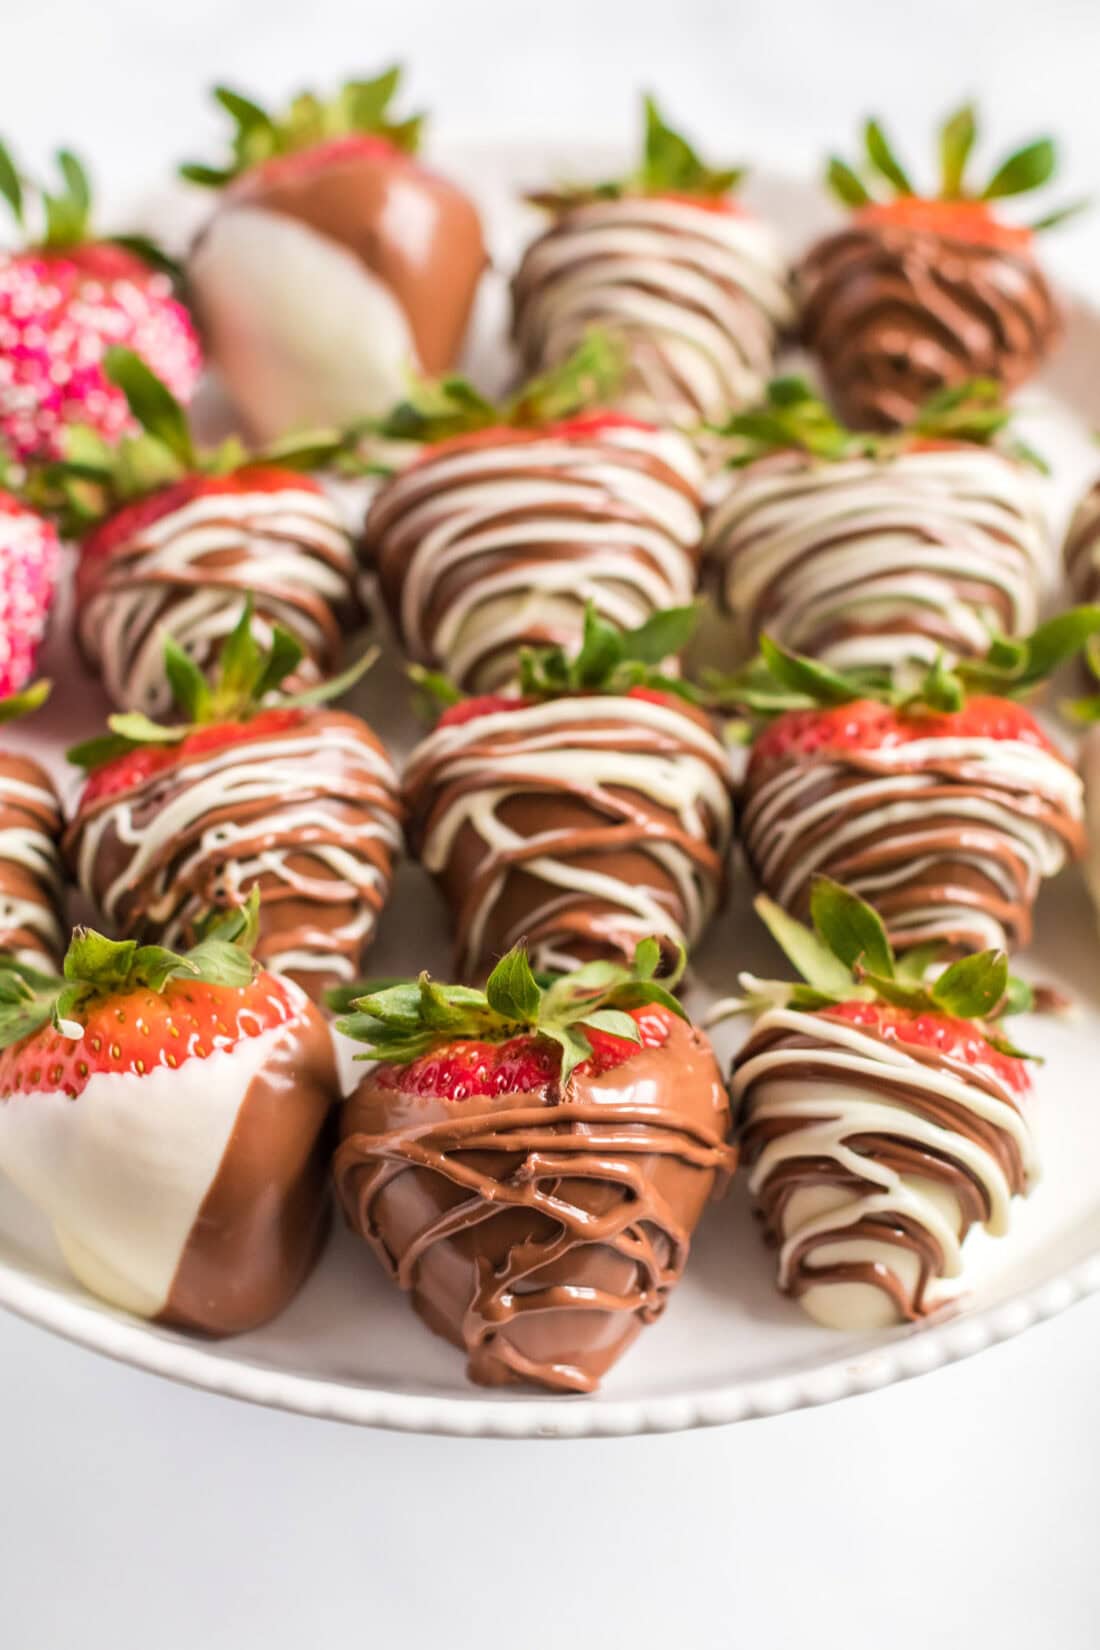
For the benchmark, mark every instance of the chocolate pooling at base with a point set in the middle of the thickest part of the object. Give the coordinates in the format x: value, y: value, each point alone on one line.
x: 539, y: 1232
x: 31, y: 877
x: 487, y: 547
x: 896, y: 313
x: 698, y: 293
x: 187, y: 571
x: 876, y: 561
x: 870, y: 1159
x: 580, y: 824
x: 307, y: 811
x: 947, y: 836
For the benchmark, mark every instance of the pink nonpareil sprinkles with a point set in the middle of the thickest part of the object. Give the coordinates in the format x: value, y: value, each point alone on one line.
x: 29, y: 555
x: 55, y: 323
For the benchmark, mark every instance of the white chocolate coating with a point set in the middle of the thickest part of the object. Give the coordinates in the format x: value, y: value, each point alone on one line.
x: 484, y: 550
x: 870, y: 1160
x: 875, y: 562
x: 187, y: 574
x: 701, y: 297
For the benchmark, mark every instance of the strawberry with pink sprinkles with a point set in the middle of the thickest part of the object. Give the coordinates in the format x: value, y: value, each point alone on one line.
x: 29, y: 556
x: 63, y: 302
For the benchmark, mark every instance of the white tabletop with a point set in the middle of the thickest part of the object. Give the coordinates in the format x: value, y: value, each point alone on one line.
x: 959, y: 1510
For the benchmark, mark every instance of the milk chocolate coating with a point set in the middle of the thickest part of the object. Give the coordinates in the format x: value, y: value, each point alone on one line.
x: 310, y: 815
x: 31, y: 877
x: 264, y: 1220
x: 941, y: 847
x: 1082, y: 547
x: 535, y: 1231
x: 652, y: 829
x: 895, y: 314
x: 414, y: 230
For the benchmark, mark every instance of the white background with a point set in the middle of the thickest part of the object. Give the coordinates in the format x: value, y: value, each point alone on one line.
x: 962, y: 1510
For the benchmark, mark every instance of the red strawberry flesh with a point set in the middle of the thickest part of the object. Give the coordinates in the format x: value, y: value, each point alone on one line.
x: 960, y: 1041
x: 867, y: 725
x: 134, y: 767
x: 969, y: 221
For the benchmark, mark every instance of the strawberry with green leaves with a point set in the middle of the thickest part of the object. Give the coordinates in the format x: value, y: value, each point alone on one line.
x: 173, y: 536
x: 530, y: 1161
x: 939, y: 798
x: 167, y: 1114
x: 65, y: 299
x: 516, y: 515
x: 864, y: 549
x: 880, y: 1113
x: 256, y: 788
x: 335, y: 262
x: 667, y: 258
x: 582, y: 810
x: 924, y: 290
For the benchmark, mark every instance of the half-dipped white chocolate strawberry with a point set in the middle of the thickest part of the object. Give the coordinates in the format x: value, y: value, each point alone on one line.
x: 168, y: 1116
x: 495, y: 540
x: 863, y: 550
x: 668, y: 260
x: 335, y: 263
x: 256, y: 790
x: 880, y: 1118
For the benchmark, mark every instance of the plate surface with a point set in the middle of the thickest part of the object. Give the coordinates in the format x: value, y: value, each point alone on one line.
x: 728, y: 1347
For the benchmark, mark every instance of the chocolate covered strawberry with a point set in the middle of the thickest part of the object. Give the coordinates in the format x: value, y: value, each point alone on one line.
x: 173, y: 536
x: 881, y: 1116
x: 514, y: 517
x: 30, y: 556
x: 64, y: 301
x: 255, y: 790
x: 670, y: 261
x: 167, y: 1114
x: 941, y: 800
x: 32, y: 881
x: 530, y: 1163
x: 919, y: 291
x: 866, y: 549
x: 335, y: 263
x: 580, y: 813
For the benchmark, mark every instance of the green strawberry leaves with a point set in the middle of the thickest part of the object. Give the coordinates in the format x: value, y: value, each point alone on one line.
x: 357, y: 107
x: 96, y: 967
x: 778, y: 680
x: 793, y: 418
x: 152, y: 405
x: 845, y: 956
x: 669, y: 165
x: 611, y: 660
x: 1026, y: 169
x: 440, y: 409
x: 26, y: 701
x: 400, y: 1022
x: 11, y: 185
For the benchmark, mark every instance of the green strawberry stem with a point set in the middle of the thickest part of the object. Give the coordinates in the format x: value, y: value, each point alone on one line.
x: 96, y: 967
x: 793, y: 418
x: 778, y: 680
x: 879, y: 172
x: 358, y: 107
x: 247, y: 680
x: 438, y: 409
x: 66, y: 212
x: 26, y: 701
x: 846, y: 956
x: 668, y: 165
x: 400, y: 1022
x: 95, y: 478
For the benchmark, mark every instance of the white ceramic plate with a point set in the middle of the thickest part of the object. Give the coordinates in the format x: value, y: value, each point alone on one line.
x: 729, y: 1347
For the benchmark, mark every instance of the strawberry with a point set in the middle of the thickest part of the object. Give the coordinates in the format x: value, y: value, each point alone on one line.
x: 665, y: 258
x: 530, y: 1161
x: 256, y: 790
x: 32, y: 881
x: 326, y: 211
x: 29, y: 558
x: 167, y: 1114
x: 864, y: 549
x: 587, y: 809
x: 174, y: 535
x: 945, y: 809
x: 63, y: 303
x: 880, y: 1113
x: 922, y: 292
